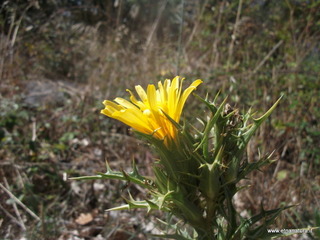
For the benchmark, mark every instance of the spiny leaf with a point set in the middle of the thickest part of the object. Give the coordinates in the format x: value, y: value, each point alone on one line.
x: 204, y: 142
x: 133, y: 176
x: 258, y: 121
x: 132, y: 204
x: 249, y: 167
x: 245, y: 225
x: 211, y: 106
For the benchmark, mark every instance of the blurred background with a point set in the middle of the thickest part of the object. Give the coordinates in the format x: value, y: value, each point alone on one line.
x: 59, y: 59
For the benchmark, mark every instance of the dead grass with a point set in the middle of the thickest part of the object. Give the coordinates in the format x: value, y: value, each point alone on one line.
x: 43, y: 145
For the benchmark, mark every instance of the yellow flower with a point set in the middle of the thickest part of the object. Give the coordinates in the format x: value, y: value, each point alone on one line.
x: 147, y: 114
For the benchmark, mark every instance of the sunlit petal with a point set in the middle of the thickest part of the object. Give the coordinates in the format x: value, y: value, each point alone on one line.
x: 152, y: 98
x: 112, y: 104
x: 125, y: 103
x: 133, y: 99
x: 185, y: 95
x: 147, y: 116
x: 142, y: 94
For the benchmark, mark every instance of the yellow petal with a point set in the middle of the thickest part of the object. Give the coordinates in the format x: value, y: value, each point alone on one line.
x: 152, y: 97
x: 173, y: 90
x: 126, y: 103
x: 163, y: 92
x: 147, y: 116
x: 112, y: 104
x: 133, y: 119
x: 185, y: 95
x: 133, y: 99
x: 107, y: 112
x: 142, y: 94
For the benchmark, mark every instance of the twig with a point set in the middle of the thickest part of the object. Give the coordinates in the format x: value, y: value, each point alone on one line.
x: 180, y: 37
x: 155, y: 24
x: 196, y: 24
x: 19, y: 202
x: 34, y: 130
x: 19, y: 181
x: 293, y: 29
x: 267, y: 57
x: 276, y: 169
x: 119, y: 13
x: 215, y: 52
x: 14, y: 204
x: 13, y: 218
x: 233, y: 36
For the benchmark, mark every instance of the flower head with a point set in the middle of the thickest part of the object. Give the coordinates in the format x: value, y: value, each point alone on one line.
x: 146, y: 115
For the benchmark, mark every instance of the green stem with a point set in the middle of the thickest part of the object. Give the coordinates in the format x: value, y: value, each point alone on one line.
x: 211, y: 211
x: 207, y: 233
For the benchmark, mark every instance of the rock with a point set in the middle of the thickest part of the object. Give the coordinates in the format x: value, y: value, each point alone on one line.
x: 45, y: 93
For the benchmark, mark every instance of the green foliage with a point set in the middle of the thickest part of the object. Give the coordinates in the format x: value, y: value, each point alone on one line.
x: 196, y: 178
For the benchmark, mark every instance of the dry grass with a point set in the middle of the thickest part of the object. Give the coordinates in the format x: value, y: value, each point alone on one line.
x: 84, y: 65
